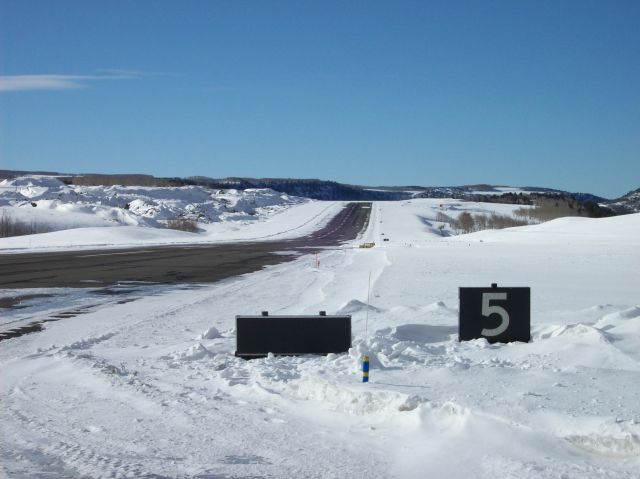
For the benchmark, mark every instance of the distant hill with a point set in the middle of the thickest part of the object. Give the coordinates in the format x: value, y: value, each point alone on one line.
x: 629, y: 203
x: 308, y: 188
x: 8, y: 174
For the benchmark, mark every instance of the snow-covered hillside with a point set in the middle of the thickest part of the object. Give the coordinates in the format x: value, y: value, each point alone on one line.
x: 629, y: 203
x: 142, y: 213
x: 49, y: 200
x: 152, y: 388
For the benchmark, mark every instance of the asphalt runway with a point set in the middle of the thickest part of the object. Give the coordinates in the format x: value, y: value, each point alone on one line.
x: 171, y: 264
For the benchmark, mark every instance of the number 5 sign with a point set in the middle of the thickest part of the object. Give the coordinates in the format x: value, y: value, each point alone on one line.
x: 497, y: 314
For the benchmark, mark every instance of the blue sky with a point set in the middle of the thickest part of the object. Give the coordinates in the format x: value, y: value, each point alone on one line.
x: 374, y: 93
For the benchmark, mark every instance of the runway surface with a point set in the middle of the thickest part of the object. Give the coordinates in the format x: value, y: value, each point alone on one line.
x: 171, y: 264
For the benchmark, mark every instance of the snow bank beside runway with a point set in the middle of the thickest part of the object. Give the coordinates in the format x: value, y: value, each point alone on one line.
x: 49, y: 200
x: 102, y: 217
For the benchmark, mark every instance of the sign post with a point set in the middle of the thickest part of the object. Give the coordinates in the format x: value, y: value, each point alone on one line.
x: 500, y: 315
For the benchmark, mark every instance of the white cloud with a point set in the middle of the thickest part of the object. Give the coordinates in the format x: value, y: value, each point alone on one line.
x: 55, y: 82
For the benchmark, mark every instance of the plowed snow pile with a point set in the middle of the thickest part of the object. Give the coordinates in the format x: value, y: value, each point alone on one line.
x: 143, y: 214
x: 151, y: 388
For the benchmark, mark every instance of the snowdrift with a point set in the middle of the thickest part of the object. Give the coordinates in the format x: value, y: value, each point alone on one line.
x: 142, y: 214
x: 49, y: 200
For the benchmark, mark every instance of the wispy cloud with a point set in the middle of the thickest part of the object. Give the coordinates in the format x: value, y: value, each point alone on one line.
x: 134, y: 73
x: 59, y: 82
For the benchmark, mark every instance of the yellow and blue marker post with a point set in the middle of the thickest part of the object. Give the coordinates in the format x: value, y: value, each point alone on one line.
x: 365, y: 369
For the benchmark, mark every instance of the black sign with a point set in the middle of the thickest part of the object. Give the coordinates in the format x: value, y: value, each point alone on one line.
x: 501, y: 315
x: 256, y: 336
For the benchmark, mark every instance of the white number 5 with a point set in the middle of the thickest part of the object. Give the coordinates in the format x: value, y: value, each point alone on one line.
x: 488, y: 310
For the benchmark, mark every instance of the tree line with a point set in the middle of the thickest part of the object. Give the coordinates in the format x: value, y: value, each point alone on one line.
x: 468, y: 223
x: 12, y: 227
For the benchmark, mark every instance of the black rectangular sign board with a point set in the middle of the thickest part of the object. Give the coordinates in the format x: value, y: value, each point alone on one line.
x: 500, y: 315
x: 256, y: 336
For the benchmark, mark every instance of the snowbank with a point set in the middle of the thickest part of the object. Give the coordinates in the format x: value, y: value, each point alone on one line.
x: 142, y: 214
x: 65, y: 205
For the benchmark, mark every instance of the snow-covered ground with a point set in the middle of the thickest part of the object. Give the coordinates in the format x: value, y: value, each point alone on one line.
x: 120, y: 216
x: 152, y: 388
